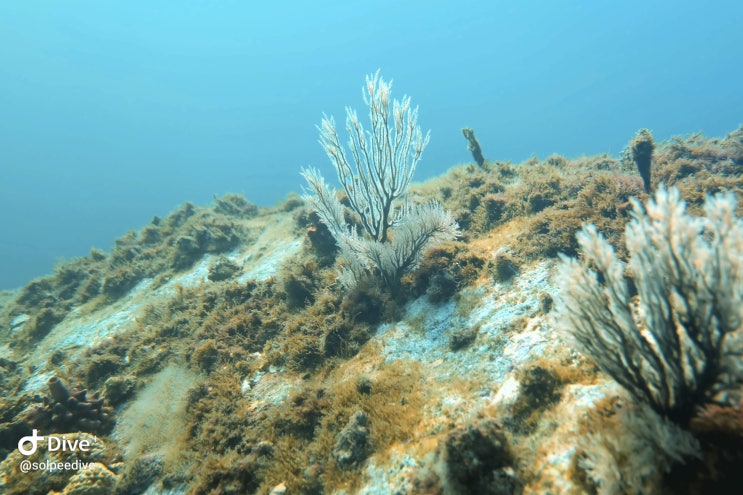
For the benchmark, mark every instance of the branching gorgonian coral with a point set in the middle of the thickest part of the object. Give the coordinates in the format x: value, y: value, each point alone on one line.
x: 668, y: 344
x: 393, y: 233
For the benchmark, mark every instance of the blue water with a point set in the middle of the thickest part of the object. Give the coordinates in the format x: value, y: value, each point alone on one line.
x: 112, y: 112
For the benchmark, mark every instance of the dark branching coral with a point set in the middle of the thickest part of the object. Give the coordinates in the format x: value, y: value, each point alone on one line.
x: 474, y: 146
x: 642, y: 147
x: 667, y: 345
x: 72, y: 410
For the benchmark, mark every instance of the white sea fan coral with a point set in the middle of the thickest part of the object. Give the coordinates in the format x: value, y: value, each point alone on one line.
x: 384, y: 158
x: 632, y: 457
x: 668, y: 344
x: 394, y: 233
x: 420, y: 226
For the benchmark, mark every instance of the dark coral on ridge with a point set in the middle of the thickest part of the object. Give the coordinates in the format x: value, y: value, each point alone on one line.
x: 66, y: 410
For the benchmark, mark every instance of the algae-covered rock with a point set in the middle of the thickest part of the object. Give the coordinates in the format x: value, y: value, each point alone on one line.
x: 222, y: 269
x: 95, y: 479
x: 477, y: 459
x: 353, y: 445
x: 139, y: 474
x: 117, y: 389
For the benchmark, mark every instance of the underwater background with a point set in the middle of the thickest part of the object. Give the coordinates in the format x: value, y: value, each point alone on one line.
x: 551, y: 304
x: 111, y: 113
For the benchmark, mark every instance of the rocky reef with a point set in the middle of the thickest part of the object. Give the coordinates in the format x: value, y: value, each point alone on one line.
x: 224, y: 329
